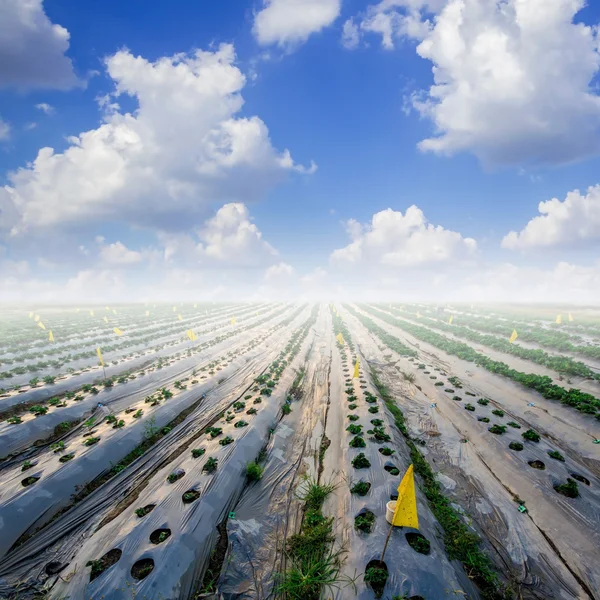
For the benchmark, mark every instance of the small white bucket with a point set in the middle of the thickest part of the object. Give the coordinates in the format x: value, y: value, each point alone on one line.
x: 390, y: 507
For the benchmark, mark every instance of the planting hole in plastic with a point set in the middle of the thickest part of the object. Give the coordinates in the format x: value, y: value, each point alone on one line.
x: 142, y: 568
x: 418, y: 542
x: 190, y: 496
x: 158, y: 536
x: 376, y: 575
x: 104, y: 563
x: 537, y: 464
x: 580, y: 478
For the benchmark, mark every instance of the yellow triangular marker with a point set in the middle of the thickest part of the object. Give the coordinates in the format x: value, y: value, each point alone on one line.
x: 40, y: 324
x: 570, y: 317
x: 405, y: 514
x: 340, y: 338
x: 450, y: 319
x: 513, y: 336
x: 31, y: 315
x: 50, y: 336
x: 180, y: 317
x: 558, y: 319
x: 117, y: 331
x: 356, y: 367
x: 37, y: 318
x: 99, y: 353
x: 105, y: 320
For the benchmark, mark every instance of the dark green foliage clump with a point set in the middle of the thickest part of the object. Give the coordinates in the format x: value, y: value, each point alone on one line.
x: 516, y: 446
x: 198, y: 452
x: 373, y: 410
x: 556, y: 455
x: 365, y: 521
x: 360, y: 461
x: 531, y: 435
x: 254, y: 471
x: 360, y: 488
x: 469, y: 407
x: 357, y: 442
x: 483, y: 401
x: 498, y: 412
x: 483, y: 419
x: 353, y: 417
x: 497, y: 429
x: 513, y: 424
x: 226, y: 441
x: 354, y: 429
x: 386, y: 451
x: 569, y: 489
x: 210, y: 466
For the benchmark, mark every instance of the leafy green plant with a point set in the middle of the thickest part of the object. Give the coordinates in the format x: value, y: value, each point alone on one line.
x: 210, y: 466
x: 361, y: 488
x: 357, y: 442
x: 38, y: 410
x: 514, y: 425
x: 376, y: 577
x: 173, y: 477
x: 516, y: 446
x: 57, y: 447
x: 226, y: 441
x: 373, y: 410
x: 469, y: 407
x: 91, y: 441
x: 556, y: 455
x: 360, y: 461
x: 531, y: 435
x: 198, y: 452
x: 365, y: 521
x: 498, y: 412
x: 214, y: 431
x: 483, y: 401
x: 354, y: 429
x: 66, y: 457
x: 14, y: 420
x: 483, y: 419
x: 386, y: 451
x: 286, y: 409
x: 497, y: 429
x: 569, y: 489
x: 27, y: 465
x: 254, y: 471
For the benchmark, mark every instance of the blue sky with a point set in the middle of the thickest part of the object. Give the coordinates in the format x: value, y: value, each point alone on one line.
x: 341, y: 83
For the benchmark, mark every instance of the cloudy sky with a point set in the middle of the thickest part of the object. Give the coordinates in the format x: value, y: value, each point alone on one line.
x: 282, y: 149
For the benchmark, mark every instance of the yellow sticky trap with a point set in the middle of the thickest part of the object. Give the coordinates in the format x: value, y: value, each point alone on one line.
x: 450, y: 319
x: 37, y: 318
x: 50, y: 336
x: 117, y: 331
x: 405, y: 514
x: 558, y: 319
x: 513, y: 336
x: 180, y: 317
x: 99, y: 353
x: 340, y: 338
x: 41, y: 325
x: 570, y: 317
x: 105, y: 319
x: 356, y: 367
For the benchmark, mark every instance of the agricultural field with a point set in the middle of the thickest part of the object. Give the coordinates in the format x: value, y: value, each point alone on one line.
x: 251, y: 450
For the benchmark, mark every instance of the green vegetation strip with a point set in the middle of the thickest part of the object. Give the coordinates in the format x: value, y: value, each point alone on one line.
x: 581, y: 401
x: 549, y: 338
x: 389, y: 340
x: 461, y: 543
x: 561, y: 364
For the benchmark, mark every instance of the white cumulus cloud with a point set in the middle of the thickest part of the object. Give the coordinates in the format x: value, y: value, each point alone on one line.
x: 119, y: 254
x: 45, y: 108
x: 394, y: 239
x: 181, y: 151
x: 512, y: 80
x: 288, y: 23
x: 560, y: 223
x: 32, y: 48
